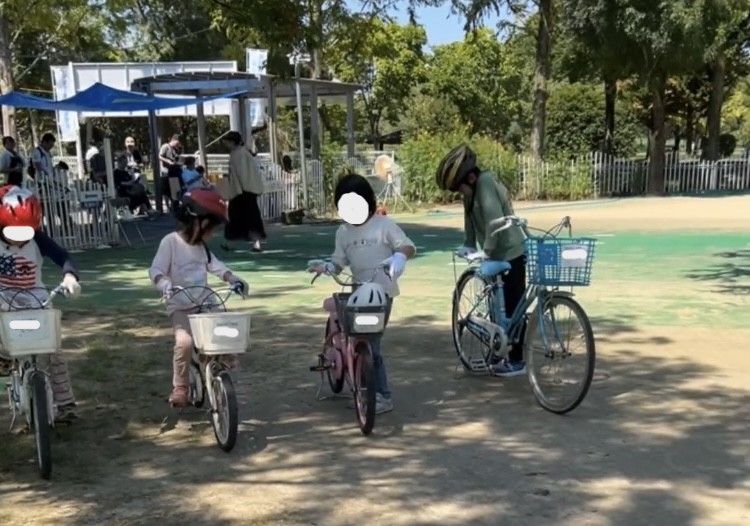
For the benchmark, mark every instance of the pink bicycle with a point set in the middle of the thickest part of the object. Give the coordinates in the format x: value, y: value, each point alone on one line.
x: 354, y: 318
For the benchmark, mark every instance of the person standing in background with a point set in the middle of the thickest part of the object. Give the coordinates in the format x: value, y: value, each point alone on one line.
x: 245, y: 186
x: 11, y: 164
x: 168, y: 156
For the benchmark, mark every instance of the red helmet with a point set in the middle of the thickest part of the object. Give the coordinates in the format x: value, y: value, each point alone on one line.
x: 19, y: 207
x: 205, y: 203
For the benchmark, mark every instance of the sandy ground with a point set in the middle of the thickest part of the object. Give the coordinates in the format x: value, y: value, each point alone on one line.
x: 663, y: 437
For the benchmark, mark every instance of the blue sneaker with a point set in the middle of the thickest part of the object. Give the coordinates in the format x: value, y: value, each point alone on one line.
x: 508, y: 369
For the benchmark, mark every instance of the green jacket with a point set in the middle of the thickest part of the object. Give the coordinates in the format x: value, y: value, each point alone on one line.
x: 491, y: 201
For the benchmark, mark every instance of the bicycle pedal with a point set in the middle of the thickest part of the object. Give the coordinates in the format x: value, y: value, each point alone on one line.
x: 319, y: 368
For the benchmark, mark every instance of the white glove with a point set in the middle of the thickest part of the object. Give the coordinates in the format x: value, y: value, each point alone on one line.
x: 396, y: 264
x: 165, y: 287
x: 320, y: 266
x: 479, y: 255
x: 70, y: 282
x: 464, y: 251
x: 234, y: 280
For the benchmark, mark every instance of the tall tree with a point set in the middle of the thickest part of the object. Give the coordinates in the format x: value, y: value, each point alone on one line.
x: 387, y: 60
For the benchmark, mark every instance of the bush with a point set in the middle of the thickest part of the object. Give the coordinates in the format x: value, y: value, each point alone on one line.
x: 419, y: 157
x: 575, y: 121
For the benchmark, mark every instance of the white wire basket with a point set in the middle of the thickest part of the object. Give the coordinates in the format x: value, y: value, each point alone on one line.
x: 31, y: 332
x: 220, y: 332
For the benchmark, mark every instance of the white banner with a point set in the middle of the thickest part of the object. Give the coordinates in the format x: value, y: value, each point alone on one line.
x: 255, y: 63
x: 67, y: 121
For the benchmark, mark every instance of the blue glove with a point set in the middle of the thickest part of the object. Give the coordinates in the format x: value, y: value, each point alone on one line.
x: 240, y: 283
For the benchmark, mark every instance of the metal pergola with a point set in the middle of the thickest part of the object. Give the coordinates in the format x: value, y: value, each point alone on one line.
x: 275, y: 90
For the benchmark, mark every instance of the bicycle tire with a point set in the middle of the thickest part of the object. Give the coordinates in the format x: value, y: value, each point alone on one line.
x: 551, y: 301
x: 40, y: 424
x: 199, y: 398
x: 467, y: 276
x: 228, y: 439
x: 336, y: 384
x: 364, y: 388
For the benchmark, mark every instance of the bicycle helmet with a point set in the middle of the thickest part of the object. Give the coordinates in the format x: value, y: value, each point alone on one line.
x: 454, y: 168
x: 203, y: 203
x: 368, y: 295
x: 19, y: 207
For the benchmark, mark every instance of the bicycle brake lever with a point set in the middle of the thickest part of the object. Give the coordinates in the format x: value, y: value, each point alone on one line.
x: 314, y: 278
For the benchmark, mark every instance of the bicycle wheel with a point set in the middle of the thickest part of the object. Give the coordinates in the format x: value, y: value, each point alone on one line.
x: 549, y: 349
x: 364, y: 388
x: 197, y: 385
x: 332, y: 354
x: 40, y: 422
x: 224, y: 413
x: 472, y: 352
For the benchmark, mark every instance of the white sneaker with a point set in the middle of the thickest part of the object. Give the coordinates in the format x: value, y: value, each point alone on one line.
x: 383, y: 404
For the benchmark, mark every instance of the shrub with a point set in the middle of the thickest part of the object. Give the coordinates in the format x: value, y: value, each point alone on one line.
x: 727, y: 144
x: 419, y: 157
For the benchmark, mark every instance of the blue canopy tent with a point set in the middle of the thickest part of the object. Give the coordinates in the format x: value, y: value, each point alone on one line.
x: 99, y: 97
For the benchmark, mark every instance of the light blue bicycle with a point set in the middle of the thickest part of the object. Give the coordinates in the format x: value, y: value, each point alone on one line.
x: 483, y: 333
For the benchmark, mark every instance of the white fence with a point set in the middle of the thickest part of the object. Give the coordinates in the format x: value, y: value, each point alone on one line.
x: 600, y: 175
x: 77, y: 214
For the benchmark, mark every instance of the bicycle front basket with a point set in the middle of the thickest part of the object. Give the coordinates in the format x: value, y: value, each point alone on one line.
x: 559, y: 262
x: 220, y: 332
x: 30, y: 332
x: 362, y: 320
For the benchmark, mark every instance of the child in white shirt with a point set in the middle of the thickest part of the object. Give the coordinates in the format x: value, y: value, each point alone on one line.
x: 184, y: 260
x: 375, y: 240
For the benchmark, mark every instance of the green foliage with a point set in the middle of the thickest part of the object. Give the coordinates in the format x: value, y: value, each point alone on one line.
x: 575, y: 121
x: 737, y: 113
x: 419, y: 157
x: 482, y: 78
x: 387, y: 60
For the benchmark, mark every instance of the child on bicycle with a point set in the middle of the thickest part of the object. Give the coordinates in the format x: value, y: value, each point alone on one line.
x: 366, y: 242
x: 184, y: 260
x: 487, y: 199
x: 23, y: 247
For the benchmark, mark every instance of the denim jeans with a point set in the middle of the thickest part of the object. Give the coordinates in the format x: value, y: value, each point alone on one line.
x: 381, y: 378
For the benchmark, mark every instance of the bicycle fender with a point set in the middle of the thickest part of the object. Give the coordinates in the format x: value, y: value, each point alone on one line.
x: 544, y: 296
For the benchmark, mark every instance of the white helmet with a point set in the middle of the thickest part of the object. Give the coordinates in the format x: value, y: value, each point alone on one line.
x: 368, y: 295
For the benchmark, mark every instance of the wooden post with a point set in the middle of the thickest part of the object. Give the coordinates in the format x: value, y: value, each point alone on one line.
x: 201, y: 115
x: 350, y: 125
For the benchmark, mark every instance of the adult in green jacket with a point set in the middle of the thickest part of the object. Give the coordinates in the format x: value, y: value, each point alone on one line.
x: 487, y: 199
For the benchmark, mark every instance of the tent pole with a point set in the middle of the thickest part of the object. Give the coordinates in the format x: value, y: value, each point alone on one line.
x: 201, y: 115
x: 153, y: 134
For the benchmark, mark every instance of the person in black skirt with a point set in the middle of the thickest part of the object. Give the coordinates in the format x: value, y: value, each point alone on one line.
x: 245, y: 187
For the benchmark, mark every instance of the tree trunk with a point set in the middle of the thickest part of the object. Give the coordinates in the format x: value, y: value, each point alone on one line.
x: 610, y: 98
x: 689, y: 128
x: 658, y: 139
x: 713, y: 118
x: 541, y: 77
x: 7, y: 84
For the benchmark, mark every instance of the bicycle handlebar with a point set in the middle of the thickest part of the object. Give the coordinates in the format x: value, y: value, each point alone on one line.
x: 352, y: 283
x: 233, y: 289
x: 60, y: 290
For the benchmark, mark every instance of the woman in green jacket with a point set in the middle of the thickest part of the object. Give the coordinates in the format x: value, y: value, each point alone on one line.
x: 487, y: 199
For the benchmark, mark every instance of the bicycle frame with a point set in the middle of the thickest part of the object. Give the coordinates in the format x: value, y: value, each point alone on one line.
x: 213, y: 365
x: 19, y: 391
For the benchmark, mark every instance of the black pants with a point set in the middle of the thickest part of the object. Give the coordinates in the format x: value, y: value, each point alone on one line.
x: 514, y: 286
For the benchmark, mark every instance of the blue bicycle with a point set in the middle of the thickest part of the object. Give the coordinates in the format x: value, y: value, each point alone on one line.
x: 483, y: 333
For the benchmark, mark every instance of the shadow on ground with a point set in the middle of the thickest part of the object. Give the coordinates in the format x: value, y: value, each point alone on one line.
x: 730, y: 274
x: 458, y: 450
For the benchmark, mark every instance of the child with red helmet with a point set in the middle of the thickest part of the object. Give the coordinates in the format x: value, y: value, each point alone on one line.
x: 23, y: 247
x: 184, y: 260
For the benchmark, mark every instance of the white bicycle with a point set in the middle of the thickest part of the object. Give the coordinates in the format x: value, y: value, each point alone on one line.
x: 27, y: 330
x: 216, y: 334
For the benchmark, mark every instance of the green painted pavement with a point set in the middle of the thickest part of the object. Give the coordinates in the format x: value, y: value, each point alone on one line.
x: 647, y: 278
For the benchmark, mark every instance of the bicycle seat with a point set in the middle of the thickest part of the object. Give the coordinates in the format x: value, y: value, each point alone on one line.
x: 490, y: 269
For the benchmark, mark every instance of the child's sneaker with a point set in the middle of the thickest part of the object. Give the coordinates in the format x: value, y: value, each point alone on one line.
x: 65, y: 413
x: 383, y: 405
x: 179, y: 397
x: 507, y: 369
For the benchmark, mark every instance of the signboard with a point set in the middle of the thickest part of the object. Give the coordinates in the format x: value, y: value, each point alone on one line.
x: 120, y: 75
x: 91, y: 199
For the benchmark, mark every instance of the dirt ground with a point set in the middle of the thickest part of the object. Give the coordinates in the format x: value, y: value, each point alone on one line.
x: 663, y: 436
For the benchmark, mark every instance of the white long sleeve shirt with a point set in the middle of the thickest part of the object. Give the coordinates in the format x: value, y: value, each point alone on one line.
x: 184, y: 265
